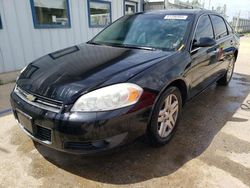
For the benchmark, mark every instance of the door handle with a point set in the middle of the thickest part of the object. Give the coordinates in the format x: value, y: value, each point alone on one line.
x: 213, y: 50
x: 232, y: 42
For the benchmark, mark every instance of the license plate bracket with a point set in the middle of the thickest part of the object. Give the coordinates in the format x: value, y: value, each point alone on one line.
x: 25, y: 120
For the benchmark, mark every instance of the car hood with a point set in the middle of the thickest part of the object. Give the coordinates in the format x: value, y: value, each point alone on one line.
x: 67, y: 74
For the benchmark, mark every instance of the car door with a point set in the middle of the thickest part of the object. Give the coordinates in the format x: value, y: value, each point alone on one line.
x: 203, y: 58
x: 224, y: 43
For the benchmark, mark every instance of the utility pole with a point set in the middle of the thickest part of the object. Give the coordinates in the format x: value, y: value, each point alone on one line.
x: 166, y: 4
x: 209, y: 4
x: 237, y: 23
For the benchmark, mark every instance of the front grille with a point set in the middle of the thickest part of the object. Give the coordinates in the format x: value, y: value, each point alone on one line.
x: 46, y: 104
x: 43, y: 133
x: 79, y: 145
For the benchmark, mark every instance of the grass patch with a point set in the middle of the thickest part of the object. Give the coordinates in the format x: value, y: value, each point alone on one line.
x: 245, y: 33
x: 3, y: 83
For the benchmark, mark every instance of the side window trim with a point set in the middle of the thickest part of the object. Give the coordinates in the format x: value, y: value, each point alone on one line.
x: 212, y: 26
x: 229, y: 26
x: 226, y: 27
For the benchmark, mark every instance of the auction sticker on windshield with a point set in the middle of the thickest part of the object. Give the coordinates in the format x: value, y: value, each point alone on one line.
x: 175, y: 17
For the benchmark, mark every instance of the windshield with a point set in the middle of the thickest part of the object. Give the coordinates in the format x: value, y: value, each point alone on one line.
x: 159, y: 31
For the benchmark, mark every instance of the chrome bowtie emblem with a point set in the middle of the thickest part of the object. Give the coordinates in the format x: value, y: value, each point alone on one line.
x: 31, y: 98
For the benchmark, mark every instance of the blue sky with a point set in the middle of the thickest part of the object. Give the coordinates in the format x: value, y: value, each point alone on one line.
x: 233, y: 6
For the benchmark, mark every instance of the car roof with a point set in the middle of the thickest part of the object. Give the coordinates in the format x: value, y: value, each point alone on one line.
x: 181, y: 11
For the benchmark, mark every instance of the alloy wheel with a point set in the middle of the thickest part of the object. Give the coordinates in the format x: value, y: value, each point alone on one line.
x: 168, y: 116
x: 230, y: 70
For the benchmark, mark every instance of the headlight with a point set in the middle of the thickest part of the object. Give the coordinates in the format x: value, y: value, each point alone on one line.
x: 108, y: 98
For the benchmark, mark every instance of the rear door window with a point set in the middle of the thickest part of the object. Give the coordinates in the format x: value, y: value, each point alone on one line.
x: 220, y: 28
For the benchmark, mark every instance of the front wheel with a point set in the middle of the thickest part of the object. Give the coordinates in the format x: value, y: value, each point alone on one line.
x: 165, y: 117
x: 228, y: 76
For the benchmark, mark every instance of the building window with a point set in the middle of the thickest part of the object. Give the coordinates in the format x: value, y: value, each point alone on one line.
x: 130, y: 7
x: 99, y: 13
x: 1, y: 26
x: 50, y: 13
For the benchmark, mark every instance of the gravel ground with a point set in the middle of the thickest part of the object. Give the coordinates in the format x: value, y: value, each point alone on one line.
x: 211, y: 148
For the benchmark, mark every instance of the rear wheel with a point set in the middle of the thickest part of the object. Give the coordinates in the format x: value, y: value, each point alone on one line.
x: 228, y: 76
x: 165, y: 117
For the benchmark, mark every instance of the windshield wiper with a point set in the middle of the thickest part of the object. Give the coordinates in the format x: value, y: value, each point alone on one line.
x: 123, y: 45
x: 139, y: 47
x: 132, y: 46
x: 94, y: 43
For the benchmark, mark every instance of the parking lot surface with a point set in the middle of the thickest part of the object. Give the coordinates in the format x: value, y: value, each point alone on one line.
x: 211, y: 148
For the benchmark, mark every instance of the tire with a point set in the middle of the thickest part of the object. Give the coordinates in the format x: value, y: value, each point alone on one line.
x: 159, y: 131
x: 224, y: 81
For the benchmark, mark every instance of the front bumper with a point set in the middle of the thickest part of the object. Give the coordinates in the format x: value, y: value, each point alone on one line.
x: 81, y: 133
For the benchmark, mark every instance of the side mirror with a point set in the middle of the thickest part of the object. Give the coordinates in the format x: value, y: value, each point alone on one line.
x: 204, y: 42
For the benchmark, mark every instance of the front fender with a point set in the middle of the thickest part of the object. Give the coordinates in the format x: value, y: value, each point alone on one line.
x: 158, y: 77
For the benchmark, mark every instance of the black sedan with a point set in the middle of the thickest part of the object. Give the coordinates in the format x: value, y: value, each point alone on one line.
x: 133, y: 78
